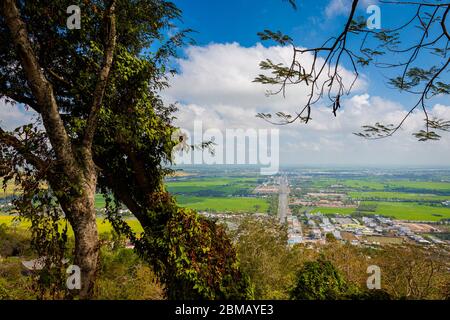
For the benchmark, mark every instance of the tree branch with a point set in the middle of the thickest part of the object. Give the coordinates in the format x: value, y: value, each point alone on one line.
x: 40, y: 86
x: 110, y: 25
x: 11, y: 141
x: 25, y: 100
x: 443, y: 21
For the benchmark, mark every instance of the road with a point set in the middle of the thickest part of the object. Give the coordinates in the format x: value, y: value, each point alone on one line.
x: 283, y: 199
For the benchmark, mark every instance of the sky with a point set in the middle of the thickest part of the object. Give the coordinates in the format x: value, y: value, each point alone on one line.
x: 214, y: 84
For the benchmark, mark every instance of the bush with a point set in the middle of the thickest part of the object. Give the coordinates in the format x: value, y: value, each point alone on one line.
x: 13, y: 243
x: 13, y: 284
x: 319, y: 280
x: 123, y: 275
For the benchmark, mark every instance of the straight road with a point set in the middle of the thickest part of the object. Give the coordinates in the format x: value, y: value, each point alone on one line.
x: 283, y: 199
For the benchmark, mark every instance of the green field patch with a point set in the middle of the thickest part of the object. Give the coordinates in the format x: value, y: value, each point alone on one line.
x: 426, y: 185
x: 212, y: 186
x: 410, y: 211
x: 10, y: 190
x: 217, y: 204
x: 99, y: 201
x: 404, y: 185
x: 103, y: 225
x: 364, y: 184
x: 383, y: 195
x: 397, y: 210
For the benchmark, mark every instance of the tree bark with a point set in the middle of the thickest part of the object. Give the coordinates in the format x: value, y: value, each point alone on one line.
x: 75, y: 179
x: 82, y: 216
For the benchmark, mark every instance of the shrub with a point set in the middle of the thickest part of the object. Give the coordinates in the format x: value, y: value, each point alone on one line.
x: 319, y: 280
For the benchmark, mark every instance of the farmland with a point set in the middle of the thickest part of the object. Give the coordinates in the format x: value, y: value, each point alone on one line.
x: 218, y: 193
x: 378, y: 184
x: 398, y: 185
x: 413, y: 195
x: 381, y: 195
x: 216, y: 204
x: 210, y: 193
x: 103, y: 225
x: 212, y: 186
x: 410, y: 211
x: 327, y: 210
x: 406, y: 195
x: 397, y: 210
x: 10, y: 190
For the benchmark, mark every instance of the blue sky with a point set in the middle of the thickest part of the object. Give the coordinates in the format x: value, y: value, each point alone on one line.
x: 310, y: 25
x: 215, y: 85
x: 215, y: 76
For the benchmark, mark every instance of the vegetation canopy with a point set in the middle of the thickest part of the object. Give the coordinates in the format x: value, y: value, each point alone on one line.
x: 102, y: 126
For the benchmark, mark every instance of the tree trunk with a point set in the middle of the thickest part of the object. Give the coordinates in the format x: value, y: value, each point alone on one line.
x: 77, y: 169
x: 82, y: 216
x: 86, y: 253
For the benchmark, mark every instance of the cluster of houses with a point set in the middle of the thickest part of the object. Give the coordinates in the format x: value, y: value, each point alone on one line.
x: 318, y: 226
x: 324, y: 199
x: 295, y: 234
x: 404, y: 231
x: 122, y: 211
x: 5, y: 206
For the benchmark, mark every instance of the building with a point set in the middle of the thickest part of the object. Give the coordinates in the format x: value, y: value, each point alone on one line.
x: 337, y: 234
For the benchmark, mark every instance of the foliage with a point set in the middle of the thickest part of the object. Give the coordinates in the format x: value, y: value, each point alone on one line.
x: 123, y: 275
x: 407, y: 272
x: 414, y: 272
x: 131, y: 144
x: 319, y: 280
x: 275, y: 269
x: 217, y: 204
x: 192, y: 256
x: 13, y: 284
x: 261, y: 247
x: 13, y: 243
x: 36, y: 204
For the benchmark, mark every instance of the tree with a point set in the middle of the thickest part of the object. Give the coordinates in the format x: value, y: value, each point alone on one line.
x: 329, y: 237
x: 119, y: 137
x: 67, y: 163
x: 326, y: 82
x: 319, y: 280
x: 413, y: 272
x: 264, y: 257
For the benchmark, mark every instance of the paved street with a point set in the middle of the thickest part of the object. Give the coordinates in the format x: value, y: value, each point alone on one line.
x: 283, y: 199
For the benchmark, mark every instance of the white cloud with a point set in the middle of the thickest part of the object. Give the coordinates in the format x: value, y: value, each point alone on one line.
x: 342, y: 7
x: 337, y: 7
x: 13, y: 116
x: 215, y: 85
x: 219, y: 77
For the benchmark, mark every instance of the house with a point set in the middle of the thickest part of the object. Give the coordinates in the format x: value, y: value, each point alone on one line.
x: 337, y: 234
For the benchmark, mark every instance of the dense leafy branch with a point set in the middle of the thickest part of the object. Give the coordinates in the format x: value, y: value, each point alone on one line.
x: 42, y: 90
x: 102, y: 76
x: 322, y: 78
x: 96, y: 90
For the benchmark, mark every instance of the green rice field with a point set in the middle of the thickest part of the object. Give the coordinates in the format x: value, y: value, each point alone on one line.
x: 382, y: 195
x: 103, y: 225
x: 397, y: 210
x: 217, y: 204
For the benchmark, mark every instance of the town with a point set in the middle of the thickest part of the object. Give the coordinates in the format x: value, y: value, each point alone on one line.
x: 316, y: 213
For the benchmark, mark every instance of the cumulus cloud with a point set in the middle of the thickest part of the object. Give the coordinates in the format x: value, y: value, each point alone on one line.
x: 219, y: 78
x: 215, y: 86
